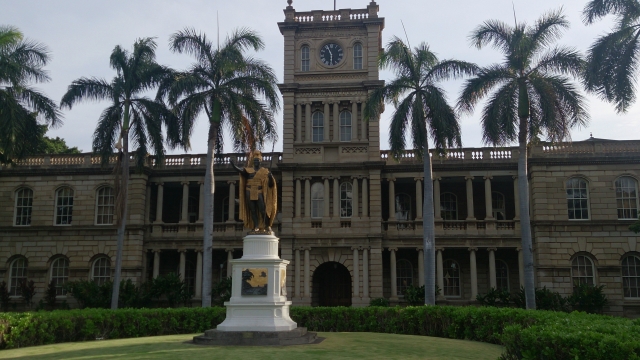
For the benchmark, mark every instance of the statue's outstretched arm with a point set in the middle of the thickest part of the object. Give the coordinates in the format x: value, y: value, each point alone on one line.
x: 241, y: 171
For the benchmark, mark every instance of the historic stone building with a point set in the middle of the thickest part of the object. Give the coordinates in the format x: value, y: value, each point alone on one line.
x: 350, y: 217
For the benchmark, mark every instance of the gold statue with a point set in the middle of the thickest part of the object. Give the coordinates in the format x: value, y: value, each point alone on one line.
x: 258, y: 194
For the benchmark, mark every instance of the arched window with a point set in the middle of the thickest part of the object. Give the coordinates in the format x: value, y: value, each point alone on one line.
x: 357, y: 56
x: 304, y: 58
x: 582, y: 271
x: 64, y: 206
x: 404, y: 275
x: 17, y: 274
x: 448, y: 206
x: 627, y: 197
x: 345, y: 126
x: 317, y: 200
x: 631, y: 276
x: 60, y: 274
x: 346, y: 200
x: 502, y: 275
x: 451, y: 279
x: 403, y: 207
x: 577, y: 199
x: 24, y: 207
x: 105, y: 205
x: 317, y: 127
x: 499, y: 212
x: 101, y: 270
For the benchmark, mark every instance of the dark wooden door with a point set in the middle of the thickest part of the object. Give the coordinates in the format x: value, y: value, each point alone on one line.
x: 333, y: 283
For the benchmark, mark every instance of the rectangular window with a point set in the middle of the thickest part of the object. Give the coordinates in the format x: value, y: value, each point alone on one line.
x: 577, y: 199
x: 304, y: 58
x: 24, y: 206
x: 317, y: 127
x: 64, y: 206
x: 105, y: 204
x: 357, y: 57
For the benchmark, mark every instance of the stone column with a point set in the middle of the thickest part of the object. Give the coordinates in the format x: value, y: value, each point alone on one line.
x: 336, y: 198
x: 470, y: 215
x: 308, y: 123
x: 365, y: 272
x: 488, y: 199
x: 201, y: 202
x: 307, y: 197
x: 156, y: 263
x: 159, y: 203
x: 354, y: 121
x: 229, y: 258
x: 299, y: 122
x: 520, y: 267
x: 198, y: 274
x: 365, y: 133
x: 307, y: 274
x: 356, y: 272
x: 365, y: 197
x: 492, y: 268
x: 516, y: 198
x: 420, y: 266
x: 183, y: 262
x: 474, y: 273
x: 147, y: 206
x: 440, y: 270
x: 296, y: 282
x: 327, y: 119
x: 327, y: 198
x: 232, y: 201
x: 419, y: 198
x: 185, y: 202
x: 354, y: 197
x: 392, y: 199
x: 394, y: 275
x: 436, y: 198
x: 298, y: 198
x: 336, y: 121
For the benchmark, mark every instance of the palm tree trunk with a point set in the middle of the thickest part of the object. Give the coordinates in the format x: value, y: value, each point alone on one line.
x: 428, y: 232
x: 124, y: 186
x: 209, y: 190
x: 525, y: 220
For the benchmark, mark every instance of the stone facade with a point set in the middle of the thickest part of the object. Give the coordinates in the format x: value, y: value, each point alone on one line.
x: 350, y: 216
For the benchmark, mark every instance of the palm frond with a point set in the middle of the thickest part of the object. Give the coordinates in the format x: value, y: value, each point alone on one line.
x: 547, y: 29
x: 86, y: 89
x: 500, y: 116
x: 478, y: 87
x: 44, y: 107
x: 492, y: 32
x: 597, y: 9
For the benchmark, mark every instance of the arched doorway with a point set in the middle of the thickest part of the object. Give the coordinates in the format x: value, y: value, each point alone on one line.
x: 331, y: 285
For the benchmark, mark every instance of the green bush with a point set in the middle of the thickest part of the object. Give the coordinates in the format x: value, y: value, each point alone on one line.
x: 89, y: 294
x: 4, y: 296
x: 525, y: 334
x: 588, y: 298
x: 545, y: 300
x: 221, y: 292
x: 27, y: 291
x: 495, y: 297
x: 380, y: 302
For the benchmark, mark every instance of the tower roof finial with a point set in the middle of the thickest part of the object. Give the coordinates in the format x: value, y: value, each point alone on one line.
x: 289, y: 2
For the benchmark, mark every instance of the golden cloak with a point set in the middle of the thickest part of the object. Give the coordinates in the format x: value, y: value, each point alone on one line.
x: 270, y: 195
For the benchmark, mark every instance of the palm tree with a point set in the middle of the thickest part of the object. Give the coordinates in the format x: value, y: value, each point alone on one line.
x: 533, y: 97
x: 421, y: 106
x: 613, y: 59
x: 21, y: 106
x: 232, y: 90
x: 131, y: 115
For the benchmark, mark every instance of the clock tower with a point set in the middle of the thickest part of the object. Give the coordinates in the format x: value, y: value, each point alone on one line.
x: 331, y: 157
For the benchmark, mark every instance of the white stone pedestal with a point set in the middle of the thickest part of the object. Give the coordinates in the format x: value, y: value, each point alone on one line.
x: 251, y: 307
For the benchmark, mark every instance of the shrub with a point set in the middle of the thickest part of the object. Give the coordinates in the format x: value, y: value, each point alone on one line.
x: 495, y: 297
x: 221, y: 292
x: 27, y: 291
x: 414, y: 295
x: 50, y: 295
x: 545, y: 300
x: 380, y: 302
x: 588, y: 298
x: 88, y: 294
x: 4, y: 296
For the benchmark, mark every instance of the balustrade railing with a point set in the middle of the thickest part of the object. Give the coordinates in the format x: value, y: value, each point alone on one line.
x: 334, y: 15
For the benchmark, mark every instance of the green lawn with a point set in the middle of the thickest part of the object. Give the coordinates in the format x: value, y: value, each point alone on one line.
x: 335, y: 346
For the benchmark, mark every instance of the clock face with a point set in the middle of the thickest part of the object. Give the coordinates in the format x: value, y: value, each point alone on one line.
x: 331, y: 54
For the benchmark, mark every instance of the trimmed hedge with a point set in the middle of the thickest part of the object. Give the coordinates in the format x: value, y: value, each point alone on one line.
x: 524, y: 334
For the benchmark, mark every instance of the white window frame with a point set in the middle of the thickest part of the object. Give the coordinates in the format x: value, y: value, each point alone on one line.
x: 14, y: 279
x: 305, y: 58
x: 357, y: 56
x: 583, y: 269
x: 346, y: 126
x: 19, y: 216
x: 59, y: 212
x: 500, y: 278
x: 346, y: 200
x: 108, y: 209
x: 453, y: 200
x: 104, y: 270
x: 317, y: 200
x: 404, y: 272
x: 573, y: 200
x: 317, y: 126
x: 446, y: 267
x: 627, y: 206
x: 631, y: 276
x: 59, y: 273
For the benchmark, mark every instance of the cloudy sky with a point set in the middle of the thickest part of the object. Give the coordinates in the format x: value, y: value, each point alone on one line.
x: 82, y: 33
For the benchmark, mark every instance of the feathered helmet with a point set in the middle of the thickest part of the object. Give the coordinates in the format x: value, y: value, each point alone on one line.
x: 252, y: 155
